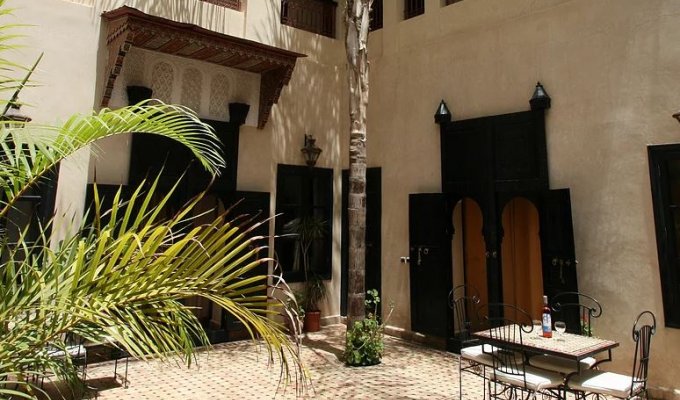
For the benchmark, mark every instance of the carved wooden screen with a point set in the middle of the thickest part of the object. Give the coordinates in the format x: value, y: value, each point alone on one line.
x: 413, y: 8
x: 316, y: 16
x: 233, y: 4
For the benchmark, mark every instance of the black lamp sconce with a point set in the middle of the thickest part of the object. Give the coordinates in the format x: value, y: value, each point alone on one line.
x: 238, y: 112
x: 677, y: 116
x: 137, y: 94
x: 310, y: 151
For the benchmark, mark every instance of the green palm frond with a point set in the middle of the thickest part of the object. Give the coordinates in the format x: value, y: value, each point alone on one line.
x: 126, y: 283
x: 124, y: 280
x: 29, y: 151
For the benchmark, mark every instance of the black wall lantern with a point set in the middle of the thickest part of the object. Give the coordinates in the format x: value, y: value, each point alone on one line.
x: 238, y: 112
x: 310, y: 151
x: 677, y: 116
x: 137, y: 94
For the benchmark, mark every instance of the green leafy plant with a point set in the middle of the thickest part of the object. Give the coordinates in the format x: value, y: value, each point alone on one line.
x: 314, y: 293
x: 365, y: 340
x: 123, y: 279
x: 294, y: 312
x: 306, y: 231
x: 586, y: 328
x: 296, y: 303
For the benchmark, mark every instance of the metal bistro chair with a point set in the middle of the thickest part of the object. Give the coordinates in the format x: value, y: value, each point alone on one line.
x: 578, y: 311
x: 511, y: 376
x: 74, y: 350
x: 598, y: 384
x: 117, y: 353
x: 464, y: 301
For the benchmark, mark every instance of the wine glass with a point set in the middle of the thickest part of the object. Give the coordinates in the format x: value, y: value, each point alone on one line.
x: 560, y: 327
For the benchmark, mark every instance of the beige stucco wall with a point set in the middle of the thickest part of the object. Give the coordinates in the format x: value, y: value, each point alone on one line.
x: 65, y: 82
x: 70, y: 33
x: 611, y: 68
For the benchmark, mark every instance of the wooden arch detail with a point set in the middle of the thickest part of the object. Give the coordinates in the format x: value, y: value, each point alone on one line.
x: 128, y: 27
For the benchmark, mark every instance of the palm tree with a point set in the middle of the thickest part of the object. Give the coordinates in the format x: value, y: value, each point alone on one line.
x: 356, y: 44
x: 123, y: 280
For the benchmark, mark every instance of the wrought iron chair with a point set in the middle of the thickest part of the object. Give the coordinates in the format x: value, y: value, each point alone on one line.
x: 578, y: 311
x: 74, y: 351
x: 598, y: 384
x: 464, y: 301
x: 511, y: 377
x: 117, y: 355
x: 588, y: 309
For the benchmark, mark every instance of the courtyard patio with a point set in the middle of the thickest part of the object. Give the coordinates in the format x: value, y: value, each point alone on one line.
x: 238, y: 370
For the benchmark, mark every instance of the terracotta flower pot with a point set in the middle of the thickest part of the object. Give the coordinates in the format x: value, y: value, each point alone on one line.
x: 312, y: 321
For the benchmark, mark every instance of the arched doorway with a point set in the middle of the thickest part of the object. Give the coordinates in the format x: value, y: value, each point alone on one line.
x: 521, y: 264
x: 468, y: 251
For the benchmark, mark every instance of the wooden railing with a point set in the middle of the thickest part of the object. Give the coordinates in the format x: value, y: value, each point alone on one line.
x: 316, y: 16
x: 413, y: 8
x: 233, y: 4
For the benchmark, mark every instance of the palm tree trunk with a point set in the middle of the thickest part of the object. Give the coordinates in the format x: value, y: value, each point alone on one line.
x: 356, y: 43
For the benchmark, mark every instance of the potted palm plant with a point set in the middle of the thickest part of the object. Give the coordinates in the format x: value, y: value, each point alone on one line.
x: 307, y: 230
x: 315, y: 291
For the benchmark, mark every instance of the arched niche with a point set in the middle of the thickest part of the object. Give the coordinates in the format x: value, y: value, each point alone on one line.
x: 469, y: 248
x: 521, y: 263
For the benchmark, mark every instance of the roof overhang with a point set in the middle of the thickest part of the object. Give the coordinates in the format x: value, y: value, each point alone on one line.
x: 128, y: 27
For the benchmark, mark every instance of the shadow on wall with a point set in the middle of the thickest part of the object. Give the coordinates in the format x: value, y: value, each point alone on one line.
x: 310, y: 104
x: 314, y: 100
x: 200, y: 13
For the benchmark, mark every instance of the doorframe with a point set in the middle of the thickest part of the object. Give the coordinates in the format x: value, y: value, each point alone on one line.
x: 665, y: 232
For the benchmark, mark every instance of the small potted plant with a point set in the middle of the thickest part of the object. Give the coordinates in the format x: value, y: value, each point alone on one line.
x: 364, y: 344
x: 294, y: 313
x: 314, y: 293
x: 307, y: 230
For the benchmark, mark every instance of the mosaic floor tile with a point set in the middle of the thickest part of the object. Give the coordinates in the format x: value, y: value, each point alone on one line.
x: 238, y: 371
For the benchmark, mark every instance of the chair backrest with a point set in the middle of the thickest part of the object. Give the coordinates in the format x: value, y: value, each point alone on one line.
x: 643, y: 330
x: 464, y: 301
x: 509, y: 324
x: 578, y: 311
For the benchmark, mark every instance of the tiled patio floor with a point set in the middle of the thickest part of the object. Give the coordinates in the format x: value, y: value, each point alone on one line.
x: 237, y: 371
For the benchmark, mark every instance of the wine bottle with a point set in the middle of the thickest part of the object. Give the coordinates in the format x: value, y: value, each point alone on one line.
x: 547, y: 319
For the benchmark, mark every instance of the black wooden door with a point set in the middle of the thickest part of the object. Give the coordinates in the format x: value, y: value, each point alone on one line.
x: 557, y: 249
x: 373, y: 276
x: 664, y: 167
x: 28, y: 222
x: 152, y: 154
x: 250, y: 208
x: 430, y: 267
